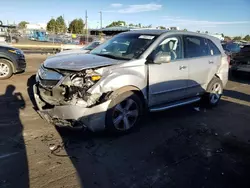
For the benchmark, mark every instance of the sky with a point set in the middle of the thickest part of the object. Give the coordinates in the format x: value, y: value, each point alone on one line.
x: 230, y: 17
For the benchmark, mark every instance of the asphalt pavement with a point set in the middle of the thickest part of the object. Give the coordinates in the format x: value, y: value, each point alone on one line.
x: 183, y: 147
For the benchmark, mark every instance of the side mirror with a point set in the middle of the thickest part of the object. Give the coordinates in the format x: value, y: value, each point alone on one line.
x: 162, y: 58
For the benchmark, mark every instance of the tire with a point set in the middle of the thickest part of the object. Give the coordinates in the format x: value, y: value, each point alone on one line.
x: 6, y: 70
x: 124, y: 112
x: 213, y: 93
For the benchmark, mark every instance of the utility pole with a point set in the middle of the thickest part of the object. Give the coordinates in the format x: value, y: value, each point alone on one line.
x: 100, y: 19
x: 86, y: 23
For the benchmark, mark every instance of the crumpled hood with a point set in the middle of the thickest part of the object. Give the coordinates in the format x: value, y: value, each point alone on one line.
x: 67, y: 52
x: 78, y: 62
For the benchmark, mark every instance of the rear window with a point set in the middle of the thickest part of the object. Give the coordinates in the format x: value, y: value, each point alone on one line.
x: 195, y: 47
x: 213, y: 48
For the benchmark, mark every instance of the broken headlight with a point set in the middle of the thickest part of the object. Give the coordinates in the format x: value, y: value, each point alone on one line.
x: 93, y: 76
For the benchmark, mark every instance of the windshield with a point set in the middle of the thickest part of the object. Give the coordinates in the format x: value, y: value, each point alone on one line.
x: 125, y: 46
x: 233, y: 47
x: 91, y: 46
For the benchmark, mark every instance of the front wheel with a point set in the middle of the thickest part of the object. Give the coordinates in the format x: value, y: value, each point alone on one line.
x: 124, y: 112
x: 5, y: 69
x: 213, y: 93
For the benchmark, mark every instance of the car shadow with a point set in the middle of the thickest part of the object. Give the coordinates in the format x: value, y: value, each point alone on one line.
x: 14, y: 170
x: 31, y: 81
x: 175, y: 148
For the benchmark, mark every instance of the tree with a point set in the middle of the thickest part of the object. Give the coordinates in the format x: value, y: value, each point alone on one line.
x: 237, y: 38
x: 135, y: 25
x: 247, y: 38
x: 184, y: 29
x: 76, y: 26
x: 60, y: 25
x: 222, y: 35
x: 227, y: 38
x: 162, y: 27
x: 51, y: 25
x: 206, y: 32
x: 22, y: 24
x: 117, y: 23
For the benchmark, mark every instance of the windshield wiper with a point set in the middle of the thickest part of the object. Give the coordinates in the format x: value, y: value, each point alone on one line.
x: 112, y: 56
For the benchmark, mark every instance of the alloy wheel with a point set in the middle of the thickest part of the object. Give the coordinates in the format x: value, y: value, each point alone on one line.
x: 125, y: 114
x: 4, y: 69
x: 215, y: 93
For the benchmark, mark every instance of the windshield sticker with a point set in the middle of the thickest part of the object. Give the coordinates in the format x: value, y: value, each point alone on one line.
x: 149, y: 37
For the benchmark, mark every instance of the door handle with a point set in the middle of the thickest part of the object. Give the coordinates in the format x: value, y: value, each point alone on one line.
x: 210, y: 62
x: 182, y: 67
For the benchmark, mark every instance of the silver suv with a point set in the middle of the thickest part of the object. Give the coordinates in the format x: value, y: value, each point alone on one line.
x: 145, y: 69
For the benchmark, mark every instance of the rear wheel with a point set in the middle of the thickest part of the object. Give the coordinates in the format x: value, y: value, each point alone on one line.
x: 124, y: 112
x: 213, y: 93
x: 5, y: 69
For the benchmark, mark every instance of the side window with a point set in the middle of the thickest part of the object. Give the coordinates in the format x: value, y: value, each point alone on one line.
x: 195, y: 47
x: 213, y: 48
x: 171, y: 46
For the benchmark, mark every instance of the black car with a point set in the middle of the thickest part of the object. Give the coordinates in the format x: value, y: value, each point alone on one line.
x: 12, y: 61
x: 241, y: 61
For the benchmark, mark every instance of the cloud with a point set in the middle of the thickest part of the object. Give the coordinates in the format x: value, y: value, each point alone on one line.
x: 115, y: 5
x: 138, y: 8
x: 202, y: 23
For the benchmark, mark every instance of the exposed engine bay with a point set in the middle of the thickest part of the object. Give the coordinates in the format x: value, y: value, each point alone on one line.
x: 70, y: 89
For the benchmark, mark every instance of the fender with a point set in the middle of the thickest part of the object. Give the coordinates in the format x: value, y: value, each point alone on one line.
x: 122, y: 79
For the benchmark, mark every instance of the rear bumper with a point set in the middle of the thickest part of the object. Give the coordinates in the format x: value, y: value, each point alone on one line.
x: 73, y: 116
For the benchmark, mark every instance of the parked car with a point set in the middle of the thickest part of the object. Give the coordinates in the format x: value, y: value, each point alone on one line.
x: 241, y: 61
x: 12, y: 60
x: 110, y: 87
x: 84, y: 49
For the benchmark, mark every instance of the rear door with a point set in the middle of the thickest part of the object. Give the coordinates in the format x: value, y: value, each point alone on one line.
x: 202, y: 65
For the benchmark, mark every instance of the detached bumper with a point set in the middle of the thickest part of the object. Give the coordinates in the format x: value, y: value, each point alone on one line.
x: 73, y: 116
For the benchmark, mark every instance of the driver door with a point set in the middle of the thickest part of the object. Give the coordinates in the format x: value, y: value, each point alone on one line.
x: 168, y: 81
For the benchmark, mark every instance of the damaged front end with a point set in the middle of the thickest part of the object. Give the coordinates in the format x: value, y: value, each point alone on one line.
x: 63, y: 99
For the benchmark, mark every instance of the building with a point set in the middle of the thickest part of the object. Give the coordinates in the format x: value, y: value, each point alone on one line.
x: 37, y: 26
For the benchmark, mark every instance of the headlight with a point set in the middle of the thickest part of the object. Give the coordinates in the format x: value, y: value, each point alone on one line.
x: 18, y: 52
x: 94, y: 76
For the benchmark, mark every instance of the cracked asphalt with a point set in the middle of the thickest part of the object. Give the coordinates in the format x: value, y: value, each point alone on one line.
x: 183, y: 147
